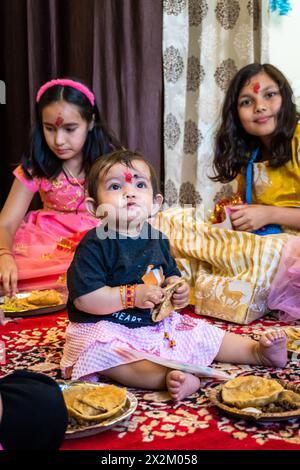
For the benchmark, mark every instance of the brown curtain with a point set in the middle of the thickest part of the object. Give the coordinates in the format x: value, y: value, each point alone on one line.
x: 113, y: 45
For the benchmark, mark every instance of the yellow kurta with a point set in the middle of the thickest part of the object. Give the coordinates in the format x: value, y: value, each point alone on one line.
x: 276, y: 186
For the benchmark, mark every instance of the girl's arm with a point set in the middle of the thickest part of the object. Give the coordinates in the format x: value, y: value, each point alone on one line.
x: 107, y: 299
x: 254, y: 216
x: 11, y: 216
x: 289, y: 216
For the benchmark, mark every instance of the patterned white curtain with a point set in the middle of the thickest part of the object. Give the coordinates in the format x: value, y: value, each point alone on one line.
x: 205, y: 42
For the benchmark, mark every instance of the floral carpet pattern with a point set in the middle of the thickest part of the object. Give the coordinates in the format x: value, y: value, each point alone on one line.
x: 194, y: 424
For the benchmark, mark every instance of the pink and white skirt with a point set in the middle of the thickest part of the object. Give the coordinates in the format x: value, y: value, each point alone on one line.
x: 93, y: 347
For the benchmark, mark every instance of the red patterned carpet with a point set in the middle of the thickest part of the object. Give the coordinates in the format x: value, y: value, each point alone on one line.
x: 157, y: 423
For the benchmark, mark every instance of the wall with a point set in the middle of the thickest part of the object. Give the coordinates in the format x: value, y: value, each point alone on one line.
x: 284, y: 43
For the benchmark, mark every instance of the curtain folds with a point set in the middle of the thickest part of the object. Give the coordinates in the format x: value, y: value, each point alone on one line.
x: 205, y: 42
x: 113, y: 45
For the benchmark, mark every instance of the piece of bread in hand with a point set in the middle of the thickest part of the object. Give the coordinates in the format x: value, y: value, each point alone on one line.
x: 163, y: 310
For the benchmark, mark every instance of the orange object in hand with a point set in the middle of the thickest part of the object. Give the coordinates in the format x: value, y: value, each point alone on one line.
x: 219, y: 213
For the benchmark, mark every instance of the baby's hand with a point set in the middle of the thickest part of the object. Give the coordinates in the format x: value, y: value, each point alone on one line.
x: 147, y: 296
x: 180, y: 298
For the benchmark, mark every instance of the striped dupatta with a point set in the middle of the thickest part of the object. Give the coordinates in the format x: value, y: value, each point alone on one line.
x: 230, y: 272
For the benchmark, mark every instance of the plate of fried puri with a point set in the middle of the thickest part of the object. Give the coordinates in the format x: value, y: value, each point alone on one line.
x: 94, y: 408
x: 36, y: 302
x: 293, y: 338
x: 257, y: 398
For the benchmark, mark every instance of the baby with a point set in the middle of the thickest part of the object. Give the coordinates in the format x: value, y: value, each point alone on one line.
x: 110, y: 300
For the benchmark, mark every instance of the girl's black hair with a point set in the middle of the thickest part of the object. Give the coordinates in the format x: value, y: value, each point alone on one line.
x: 233, y: 143
x: 40, y: 161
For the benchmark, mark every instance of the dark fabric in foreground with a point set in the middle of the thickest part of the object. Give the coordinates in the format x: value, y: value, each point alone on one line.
x: 34, y: 412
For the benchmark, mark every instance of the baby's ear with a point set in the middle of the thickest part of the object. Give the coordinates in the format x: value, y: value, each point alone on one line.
x: 157, y: 203
x: 91, y: 205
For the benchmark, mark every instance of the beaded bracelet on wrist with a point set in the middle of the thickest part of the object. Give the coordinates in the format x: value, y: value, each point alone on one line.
x: 127, y: 295
x: 122, y: 295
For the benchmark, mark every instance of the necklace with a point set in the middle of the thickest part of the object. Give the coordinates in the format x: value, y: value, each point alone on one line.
x: 69, y: 173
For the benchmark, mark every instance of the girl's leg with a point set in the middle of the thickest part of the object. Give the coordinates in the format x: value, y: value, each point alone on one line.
x: 148, y: 375
x: 270, y: 350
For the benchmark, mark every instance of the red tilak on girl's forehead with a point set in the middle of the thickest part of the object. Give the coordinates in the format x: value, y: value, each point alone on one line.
x: 256, y: 87
x: 128, y: 176
x: 59, y: 121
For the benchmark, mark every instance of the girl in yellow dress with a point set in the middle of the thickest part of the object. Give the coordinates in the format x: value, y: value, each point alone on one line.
x: 257, y: 144
x: 260, y: 136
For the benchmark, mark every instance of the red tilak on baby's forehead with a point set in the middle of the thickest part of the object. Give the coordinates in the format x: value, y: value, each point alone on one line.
x: 59, y: 121
x: 128, y: 176
x: 256, y: 87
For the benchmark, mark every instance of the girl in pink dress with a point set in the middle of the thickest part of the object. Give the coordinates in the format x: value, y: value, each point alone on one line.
x: 36, y: 249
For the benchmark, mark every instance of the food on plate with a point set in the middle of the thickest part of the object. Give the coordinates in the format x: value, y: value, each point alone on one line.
x: 93, y: 402
x: 289, y: 399
x: 258, y: 398
x: 43, y: 298
x: 293, y: 338
x: 250, y: 391
x: 36, y: 299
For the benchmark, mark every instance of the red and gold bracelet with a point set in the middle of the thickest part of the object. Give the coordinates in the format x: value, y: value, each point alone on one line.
x: 122, y: 295
x: 127, y: 294
x: 130, y: 295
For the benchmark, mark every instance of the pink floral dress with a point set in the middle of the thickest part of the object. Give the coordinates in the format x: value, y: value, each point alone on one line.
x: 41, y: 262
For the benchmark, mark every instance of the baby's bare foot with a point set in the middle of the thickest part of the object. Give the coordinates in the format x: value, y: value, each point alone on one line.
x: 272, y: 348
x: 180, y: 384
